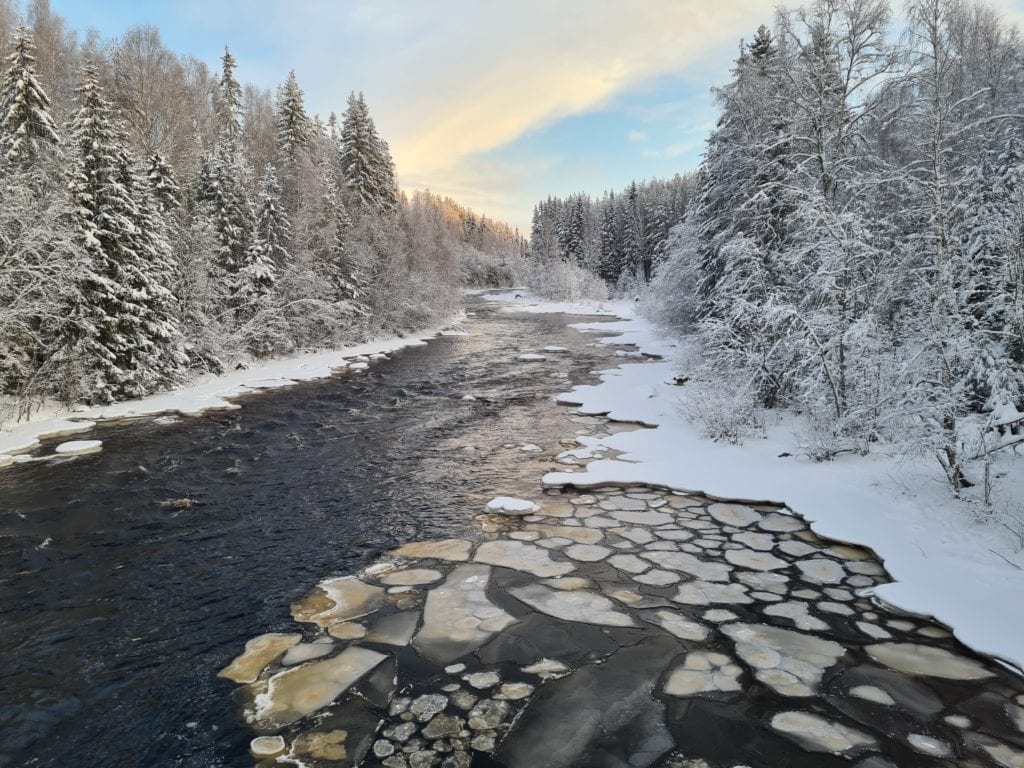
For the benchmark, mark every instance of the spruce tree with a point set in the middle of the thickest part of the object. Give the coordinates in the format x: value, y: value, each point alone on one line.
x: 230, y: 103
x: 120, y: 335
x: 611, y: 241
x: 272, y: 228
x: 294, y: 127
x: 32, y: 246
x: 163, y: 185
x: 26, y: 126
x: 224, y: 201
x: 348, y: 283
x: 366, y: 163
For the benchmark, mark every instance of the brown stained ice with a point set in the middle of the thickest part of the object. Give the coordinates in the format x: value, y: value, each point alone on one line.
x: 296, y: 693
x: 338, y: 600
x: 458, y: 617
x: 259, y: 652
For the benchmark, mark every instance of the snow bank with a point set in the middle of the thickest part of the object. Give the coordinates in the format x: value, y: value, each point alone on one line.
x: 206, y: 394
x: 524, y: 301
x: 944, y: 564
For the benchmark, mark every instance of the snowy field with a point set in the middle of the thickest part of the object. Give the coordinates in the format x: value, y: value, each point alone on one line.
x: 943, y: 561
x: 208, y: 393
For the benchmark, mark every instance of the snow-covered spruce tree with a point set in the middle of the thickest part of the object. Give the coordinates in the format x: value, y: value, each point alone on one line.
x: 120, y: 337
x: 544, y: 244
x: 163, y: 185
x: 294, y: 132
x: 273, y: 229
x: 1011, y: 173
x: 637, y: 262
x: 366, y: 164
x: 224, y: 201
x: 256, y: 304
x: 35, y: 254
x: 572, y: 233
x: 27, y: 129
x: 189, y: 282
x: 229, y: 104
x: 984, y: 239
x: 348, y: 282
x: 739, y: 227
x: 611, y: 245
x: 261, y: 327
x: 223, y: 181
x: 294, y: 127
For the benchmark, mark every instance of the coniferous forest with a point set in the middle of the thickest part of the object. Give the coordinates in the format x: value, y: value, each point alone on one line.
x: 159, y: 219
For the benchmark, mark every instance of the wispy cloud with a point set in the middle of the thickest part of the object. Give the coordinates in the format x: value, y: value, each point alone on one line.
x: 450, y: 82
x: 637, y: 137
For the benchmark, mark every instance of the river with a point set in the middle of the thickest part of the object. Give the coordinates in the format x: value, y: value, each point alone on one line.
x: 118, y: 607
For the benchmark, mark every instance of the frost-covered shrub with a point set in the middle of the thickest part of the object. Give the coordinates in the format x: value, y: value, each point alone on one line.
x: 823, y: 437
x: 558, y: 280
x: 483, y: 270
x: 723, y: 407
x: 671, y: 298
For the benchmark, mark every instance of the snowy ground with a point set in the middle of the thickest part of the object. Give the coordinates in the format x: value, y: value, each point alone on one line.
x: 943, y: 562
x: 519, y: 300
x: 205, y: 394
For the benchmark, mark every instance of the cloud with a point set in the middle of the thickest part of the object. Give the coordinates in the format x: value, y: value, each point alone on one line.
x: 638, y: 137
x: 449, y: 80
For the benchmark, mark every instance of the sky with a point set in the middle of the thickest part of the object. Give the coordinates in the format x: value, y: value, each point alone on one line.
x: 498, y: 103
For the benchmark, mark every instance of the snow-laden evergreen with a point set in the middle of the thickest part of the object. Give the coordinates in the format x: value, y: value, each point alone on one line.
x: 366, y: 162
x: 229, y: 105
x: 119, y: 337
x: 293, y: 124
x: 26, y: 125
x: 36, y: 253
x: 619, y: 236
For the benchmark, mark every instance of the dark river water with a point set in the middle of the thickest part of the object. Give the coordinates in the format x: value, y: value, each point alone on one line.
x: 112, y: 632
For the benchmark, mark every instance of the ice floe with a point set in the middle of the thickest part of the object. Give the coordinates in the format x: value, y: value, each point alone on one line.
x: 297, y: 692
x: 458, y: 617
x: 512, y: 506
x: 587, y: 607
x: 78, y: 447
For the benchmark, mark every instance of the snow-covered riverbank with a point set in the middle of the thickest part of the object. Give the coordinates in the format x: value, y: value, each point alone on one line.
x: 203, y: 394
x: 944, y: 563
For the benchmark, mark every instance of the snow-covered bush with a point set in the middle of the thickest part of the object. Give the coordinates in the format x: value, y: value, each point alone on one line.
x: 483, y: 270
x: 671, y: 298
x: 722, y: 406
x: 558, y: 280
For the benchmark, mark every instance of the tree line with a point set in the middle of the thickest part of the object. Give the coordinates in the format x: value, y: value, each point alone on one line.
x: 158, y: 218
x: 618, y: 236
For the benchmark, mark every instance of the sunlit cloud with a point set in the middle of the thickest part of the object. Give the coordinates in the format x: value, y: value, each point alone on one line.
x: 637, y: 137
